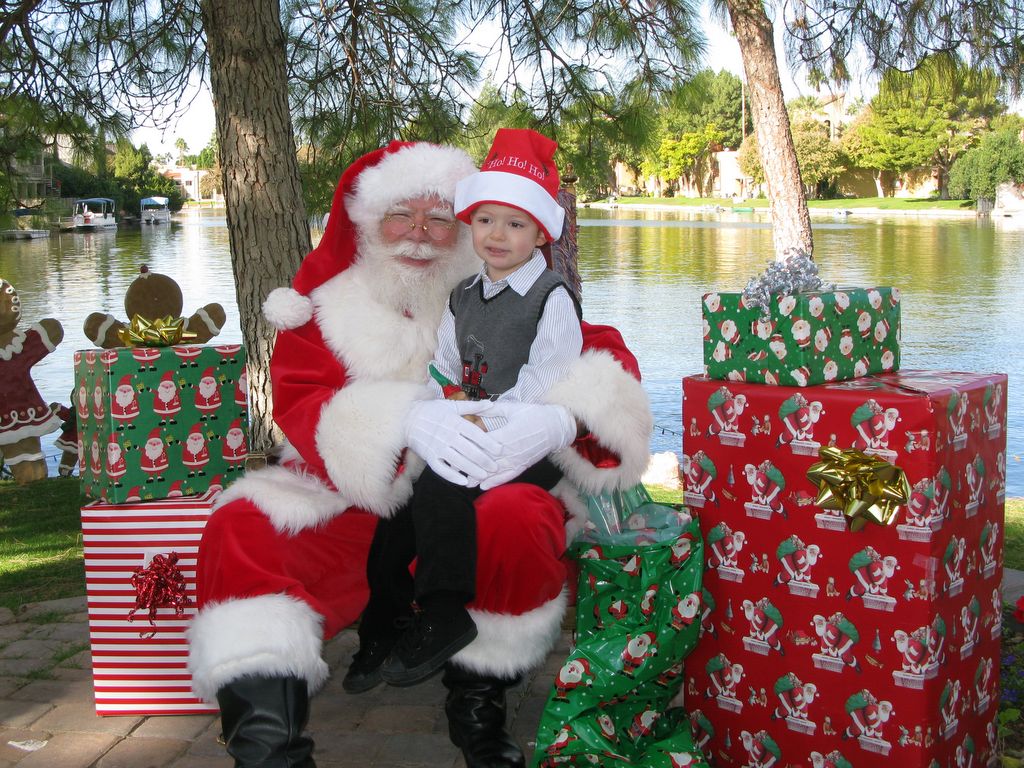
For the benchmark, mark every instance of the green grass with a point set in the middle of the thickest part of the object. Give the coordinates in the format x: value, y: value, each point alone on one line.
x: 40, y: 542
x: 665, y: 495
x: 883, y: 203
x: 1013, y: 546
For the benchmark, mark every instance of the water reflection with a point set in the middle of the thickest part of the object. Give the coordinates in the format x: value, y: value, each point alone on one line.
x: 643, y: 271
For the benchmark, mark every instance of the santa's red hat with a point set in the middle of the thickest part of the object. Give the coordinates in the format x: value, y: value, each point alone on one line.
x: 236, y: 424
x: 208, y: 373
x: 519, y: 171
x: 197, y: 429
x: 113, y: 441
x: 126, y: 381
x: 156, y: 433
x: 368, y: 189
x: 169, y: 376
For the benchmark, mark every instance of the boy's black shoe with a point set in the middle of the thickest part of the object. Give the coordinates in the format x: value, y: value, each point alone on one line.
x: 432, y: 639
x: 364, y: 671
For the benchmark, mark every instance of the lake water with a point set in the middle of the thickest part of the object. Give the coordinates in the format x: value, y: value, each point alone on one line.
x: 643, y: 271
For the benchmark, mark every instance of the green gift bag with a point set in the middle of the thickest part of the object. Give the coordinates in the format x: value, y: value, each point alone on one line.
x: 638, y: 614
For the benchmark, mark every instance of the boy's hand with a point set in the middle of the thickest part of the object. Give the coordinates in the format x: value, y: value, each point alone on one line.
x: 475, y: 420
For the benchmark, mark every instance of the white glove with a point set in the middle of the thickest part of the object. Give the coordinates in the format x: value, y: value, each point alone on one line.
x: 532, y: 432
x: 455, y: 449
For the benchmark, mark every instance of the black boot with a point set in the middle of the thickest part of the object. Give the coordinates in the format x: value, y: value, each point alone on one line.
x: 263, y: 719
x: 476, y: 719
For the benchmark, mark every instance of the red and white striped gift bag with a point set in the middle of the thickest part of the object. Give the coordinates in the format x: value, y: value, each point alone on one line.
x: 140, y: 668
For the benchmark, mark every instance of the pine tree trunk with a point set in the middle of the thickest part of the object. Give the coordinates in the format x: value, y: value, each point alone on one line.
x: 267, y: 227
x: 791, y: 220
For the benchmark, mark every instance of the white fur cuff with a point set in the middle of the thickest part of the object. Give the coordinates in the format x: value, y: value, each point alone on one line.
x: 286, y: 309
x: 268, y: 636
x: 506, y: 645
x: 615, y: 408
x: 360, y: 437
x: 293, y: 502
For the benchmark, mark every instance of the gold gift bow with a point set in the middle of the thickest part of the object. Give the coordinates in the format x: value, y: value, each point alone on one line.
x: 863, y: 487
x: 160, y: 332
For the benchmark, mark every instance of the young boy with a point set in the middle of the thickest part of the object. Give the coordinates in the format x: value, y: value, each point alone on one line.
x: 509, y: 332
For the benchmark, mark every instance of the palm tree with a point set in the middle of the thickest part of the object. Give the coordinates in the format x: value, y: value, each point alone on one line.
x: 182, y: 147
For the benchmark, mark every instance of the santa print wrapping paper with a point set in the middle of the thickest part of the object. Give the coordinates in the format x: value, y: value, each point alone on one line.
x: 638, y: 613
x: 160, y: 422
x: 807, y: 338
x: 827, y: 647
x: 139, y: 667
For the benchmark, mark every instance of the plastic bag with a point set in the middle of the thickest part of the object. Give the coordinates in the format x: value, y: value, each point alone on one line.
x: 638, y: 615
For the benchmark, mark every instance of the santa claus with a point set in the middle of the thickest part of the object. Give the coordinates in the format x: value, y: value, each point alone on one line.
x: 95, y: 463
x: 573, y: 674
x: 194, y: 453
x: 153, y: 457
x: 82, y: 402
x: 124, y: 405
x: 207, y: 397
x: 166, y: 403
x: 233, y: 446
x: 116, y: 468
x: 355, y: 334
x: 241, y: 390
x: 638, y: 649
x: 98, y: 398
x: 686, y: 611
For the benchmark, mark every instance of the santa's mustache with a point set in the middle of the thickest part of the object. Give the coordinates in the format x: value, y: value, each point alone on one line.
x: 409, y: 250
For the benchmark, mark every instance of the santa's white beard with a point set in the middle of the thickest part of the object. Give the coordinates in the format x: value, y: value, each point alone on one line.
x: 194, y: 445
x: 124, y: 396
x: 153, y: 450
x: 207, y: 387
x: 422, y: 289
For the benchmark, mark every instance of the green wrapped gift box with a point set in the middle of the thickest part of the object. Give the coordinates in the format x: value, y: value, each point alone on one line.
x: 160, y: 422
x: 804, y: 338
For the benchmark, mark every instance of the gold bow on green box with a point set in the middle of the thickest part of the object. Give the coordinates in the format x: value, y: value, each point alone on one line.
x: 864, y: 488
x: 160, y: 332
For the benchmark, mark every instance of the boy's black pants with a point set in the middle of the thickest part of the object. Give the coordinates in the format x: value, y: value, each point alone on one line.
x: 438, y: 529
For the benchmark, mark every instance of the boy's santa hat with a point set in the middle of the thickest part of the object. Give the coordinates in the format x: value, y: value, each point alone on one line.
x: 520, y: 172
x: 368, y: 189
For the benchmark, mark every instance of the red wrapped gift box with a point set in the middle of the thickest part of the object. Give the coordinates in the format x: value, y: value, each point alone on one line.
x: 828, y: 646
x: 139, y: 665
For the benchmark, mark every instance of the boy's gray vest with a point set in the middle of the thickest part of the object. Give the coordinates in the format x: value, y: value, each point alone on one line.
x: 494, y: 335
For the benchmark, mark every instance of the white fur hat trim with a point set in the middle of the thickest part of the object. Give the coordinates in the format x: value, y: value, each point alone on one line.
x: 414, y: 171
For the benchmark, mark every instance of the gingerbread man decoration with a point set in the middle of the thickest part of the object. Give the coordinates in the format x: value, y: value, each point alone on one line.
x: 153, y: 296
x: 24, y: 417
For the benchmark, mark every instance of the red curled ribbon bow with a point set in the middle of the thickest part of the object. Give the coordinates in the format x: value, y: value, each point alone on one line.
x: 160, y: 585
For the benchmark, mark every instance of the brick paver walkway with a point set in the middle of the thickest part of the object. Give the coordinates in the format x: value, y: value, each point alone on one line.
x: 47, y: 719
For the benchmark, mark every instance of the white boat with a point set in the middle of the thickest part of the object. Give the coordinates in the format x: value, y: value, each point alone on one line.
x: 154, y: 210
x: 91, y: 213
